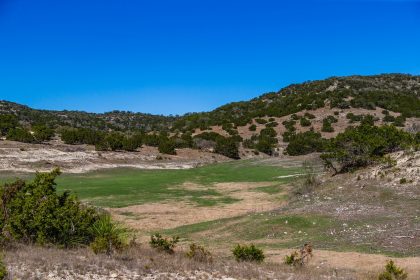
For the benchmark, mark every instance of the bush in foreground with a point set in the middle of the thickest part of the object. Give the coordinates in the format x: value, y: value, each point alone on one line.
x: 248, y: 253
x: 109, y: 236
x: 164, y: 244
x: 392, y: 272
x: 35, y: 213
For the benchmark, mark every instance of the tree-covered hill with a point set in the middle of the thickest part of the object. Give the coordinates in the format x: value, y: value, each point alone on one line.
x: 115, y: 120
x: 301, y: 115
x: 393, y: 92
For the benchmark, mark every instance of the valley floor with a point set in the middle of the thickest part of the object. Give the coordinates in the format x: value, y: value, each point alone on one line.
x: 354, y: 221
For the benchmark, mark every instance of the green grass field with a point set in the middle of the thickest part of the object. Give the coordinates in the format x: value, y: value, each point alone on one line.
x: 125, y: 187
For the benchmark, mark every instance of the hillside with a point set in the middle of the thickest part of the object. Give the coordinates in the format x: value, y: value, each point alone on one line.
x: 302, y: 117
x: 115, y: 120
x: 394, y: 92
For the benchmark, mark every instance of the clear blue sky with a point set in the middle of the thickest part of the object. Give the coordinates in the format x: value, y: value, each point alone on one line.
x: 172, y: 57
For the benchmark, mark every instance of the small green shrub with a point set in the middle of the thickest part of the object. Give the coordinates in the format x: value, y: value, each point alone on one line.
x: 199, y: 253
x: 304, y: 143
x: 227, y: 147
x: 164, y: 244
x: 392, y: 272
x: 167, y: 147
x: 252, y: 127
x: 248, y: 253
x: 326, y: 126
x: 261, y: 121
x: 403, y: 180
x: 305, y: 122
x: 309, y: 116
x: 109, y: 236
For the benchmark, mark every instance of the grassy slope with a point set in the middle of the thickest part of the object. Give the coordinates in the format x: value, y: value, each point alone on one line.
x: 125, y: 187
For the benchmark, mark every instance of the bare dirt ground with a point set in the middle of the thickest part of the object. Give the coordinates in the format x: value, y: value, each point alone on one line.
x: 22, y: 157
x: 159, y: 216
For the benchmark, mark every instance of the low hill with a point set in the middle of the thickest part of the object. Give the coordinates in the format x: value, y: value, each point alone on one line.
x: 315, y: 110
x: 394, y: 92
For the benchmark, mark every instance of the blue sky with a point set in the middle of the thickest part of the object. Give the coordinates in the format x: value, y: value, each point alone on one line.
x: 172, y: 57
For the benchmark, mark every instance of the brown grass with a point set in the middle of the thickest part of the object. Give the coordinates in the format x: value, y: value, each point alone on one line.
x: 141, y: 262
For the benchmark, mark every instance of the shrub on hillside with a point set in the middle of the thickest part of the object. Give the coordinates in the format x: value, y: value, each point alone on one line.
x: 252, y: 127
x: 109, y: 236
x: 399, y: 121
x: 20, y: 135
x: 272, y: 124
x: 289, y: 125
x: 227, y: 147
x: 392, y: 272
x: 261, y: 121
x: 388, y: 118
x: 34, y: 212
x: 354, y: 118
x: 248, y: 253
x: 42, y: 133
x: 163, y: 244
x: 115, y: 141
x: 326, y: 126
x: 199, y: 253
x: 305, y: 122
x: 167, y: 146
x: 131, y: 143
x: 309, y: 116
x: 75, y: 136
x: 7, y: 122
x: 305, y: 143
x: 267, y: 141
x: 363, y: 145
